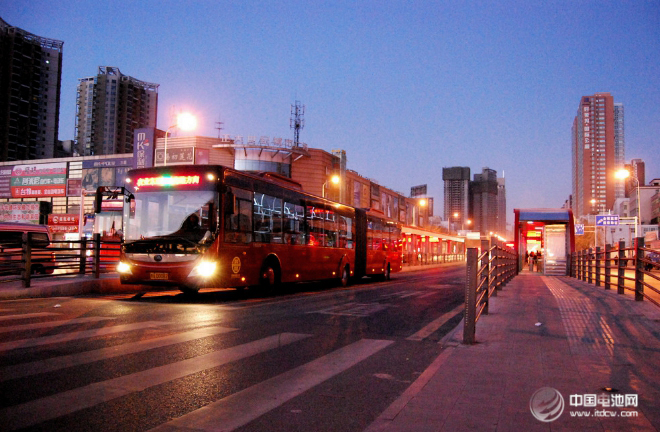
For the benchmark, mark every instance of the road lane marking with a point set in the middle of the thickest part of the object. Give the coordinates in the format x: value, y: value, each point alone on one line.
x: 83, y: 334
x: 56, y: 363
x: 434, y: 325
x: 353, y: 309
x: 241, y: 408
x: 49, y: 324
x: 27, y: 315
x: 57, y: 405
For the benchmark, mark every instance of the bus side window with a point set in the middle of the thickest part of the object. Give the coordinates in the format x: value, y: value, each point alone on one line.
x: 330, y: 227
x: 315, y: 223
x: 238, y: 217
x: 293, y: 224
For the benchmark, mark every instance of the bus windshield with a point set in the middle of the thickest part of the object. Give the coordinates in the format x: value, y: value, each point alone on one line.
x: 172, y: 215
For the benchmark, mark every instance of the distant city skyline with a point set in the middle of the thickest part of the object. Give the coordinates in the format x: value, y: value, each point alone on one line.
x: 403, y: 87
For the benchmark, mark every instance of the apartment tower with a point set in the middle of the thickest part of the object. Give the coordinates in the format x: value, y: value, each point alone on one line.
x: 456, y: 195
x: 30, y: 80
x: 109, y: 107
x: 598, y: 150
x: 484, y: 201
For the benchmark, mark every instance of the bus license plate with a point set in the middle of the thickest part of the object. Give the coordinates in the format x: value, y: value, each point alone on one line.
x: 159, y: 276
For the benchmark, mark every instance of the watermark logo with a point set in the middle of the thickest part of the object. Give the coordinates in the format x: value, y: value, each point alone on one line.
x: 546, y: 404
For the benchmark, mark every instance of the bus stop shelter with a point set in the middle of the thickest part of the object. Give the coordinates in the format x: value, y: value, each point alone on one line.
x: 550, y: 232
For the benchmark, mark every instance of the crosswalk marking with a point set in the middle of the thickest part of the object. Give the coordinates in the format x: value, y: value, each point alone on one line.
x: 27, y: 315
x: 434, y: 325
x: 40, y: 410
x: 240, y: 408
x: 48, y: 324
x: 55, y: 363
x: 84, y: 334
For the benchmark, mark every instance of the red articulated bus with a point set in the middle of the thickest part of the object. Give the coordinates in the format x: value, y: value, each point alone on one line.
x: 212, y: 226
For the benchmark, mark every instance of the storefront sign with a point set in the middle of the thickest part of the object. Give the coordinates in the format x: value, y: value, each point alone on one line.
x: 144, y: 144
x: 25, y: 212
x: 38, y: 180
x: 5, y: 181
x: 73, y: 187
x: 176, y: 156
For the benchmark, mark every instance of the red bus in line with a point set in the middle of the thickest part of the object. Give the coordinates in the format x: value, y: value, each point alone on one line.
x: 212, y: 226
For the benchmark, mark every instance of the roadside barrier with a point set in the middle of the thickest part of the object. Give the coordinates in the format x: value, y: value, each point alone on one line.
x: 486, y: 273
x: 634, y: 264
x: 29, y: 259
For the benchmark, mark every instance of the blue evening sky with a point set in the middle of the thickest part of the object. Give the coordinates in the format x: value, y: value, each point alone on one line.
x: 405, y: 87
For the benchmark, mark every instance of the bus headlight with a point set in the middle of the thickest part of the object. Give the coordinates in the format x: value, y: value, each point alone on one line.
x: 123, y: 268
x: 203, y: 269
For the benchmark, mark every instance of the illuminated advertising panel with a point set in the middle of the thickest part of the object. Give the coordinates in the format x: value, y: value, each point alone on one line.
x: 38, y: 180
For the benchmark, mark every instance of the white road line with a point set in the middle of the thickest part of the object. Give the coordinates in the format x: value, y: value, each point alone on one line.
x: 414, y: 293
x: 49, y: 324
x: 57, y: 405
x: 241, y: 408
x: 428, y: 294
x: 434, y: 325
x: 27, y: 315
x: 56, y: 363
x: 393, y: 294
x: 83, y: 334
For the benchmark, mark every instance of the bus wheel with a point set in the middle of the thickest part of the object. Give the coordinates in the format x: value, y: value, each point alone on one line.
x: 388, y: 271
x: 344, y: 279
x: 270, y: 276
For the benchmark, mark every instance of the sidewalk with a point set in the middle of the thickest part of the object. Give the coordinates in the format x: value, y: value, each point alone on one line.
x: 65, y: 285
x: 542, y: 331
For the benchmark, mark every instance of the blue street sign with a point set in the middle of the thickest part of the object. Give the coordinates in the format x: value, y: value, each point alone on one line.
x: 579, y: 229
x: 607, y: 220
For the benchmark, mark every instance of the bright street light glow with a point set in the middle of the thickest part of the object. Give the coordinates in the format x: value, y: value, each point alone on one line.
x: 186, y: 121
x: 622, y: 174
x: 335, y: 179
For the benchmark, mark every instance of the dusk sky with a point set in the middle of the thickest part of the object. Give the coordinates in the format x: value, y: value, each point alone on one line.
x: 406, y: 88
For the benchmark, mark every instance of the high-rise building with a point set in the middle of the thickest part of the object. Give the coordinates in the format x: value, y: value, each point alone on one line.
x: 456, y: 191
x: 501, y: 206
x: 598, y: 150
x: 484, y: 200
x: 637, y: 170
x: 30, y: 80
x: 109, y: 107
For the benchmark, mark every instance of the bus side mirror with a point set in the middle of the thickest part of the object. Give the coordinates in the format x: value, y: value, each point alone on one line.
x: 98, y: 199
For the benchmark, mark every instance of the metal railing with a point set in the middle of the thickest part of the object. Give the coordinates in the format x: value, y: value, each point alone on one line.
x: 412, y: 259
x: 633, y: 265
x: 28, y: 259
x: 486, y: 273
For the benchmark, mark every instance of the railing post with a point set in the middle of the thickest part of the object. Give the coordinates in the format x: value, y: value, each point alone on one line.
x: 470, y: 315
x: 97, y: 254
x: 590, y: 275
x: 639, y: 269
x: 608, y: 269
x: 26, y: 247
x: 621, y: 269
x: 496, y: 266
x: 597, y: 259
x: 485, y: 272
x: 83, y: 255
x: 581, y: 271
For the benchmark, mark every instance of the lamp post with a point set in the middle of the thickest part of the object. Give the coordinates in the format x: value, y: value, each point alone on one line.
x: 624, y: 174
x: 593, y: 203
x: 334, y: 180
x: 184, y: 121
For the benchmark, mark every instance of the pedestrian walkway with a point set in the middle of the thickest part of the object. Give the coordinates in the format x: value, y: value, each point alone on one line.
x: 599, y: 350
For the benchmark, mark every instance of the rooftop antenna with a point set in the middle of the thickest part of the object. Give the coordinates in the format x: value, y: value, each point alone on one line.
x: 297, y: 121
x: 219, y: 127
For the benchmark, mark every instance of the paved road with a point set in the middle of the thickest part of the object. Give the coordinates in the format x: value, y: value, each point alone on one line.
x: 313, y: 357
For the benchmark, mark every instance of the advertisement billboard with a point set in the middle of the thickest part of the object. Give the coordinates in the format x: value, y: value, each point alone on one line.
x: 38, y: 180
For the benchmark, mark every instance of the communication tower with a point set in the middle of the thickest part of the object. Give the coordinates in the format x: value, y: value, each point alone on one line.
x: 297, y: 121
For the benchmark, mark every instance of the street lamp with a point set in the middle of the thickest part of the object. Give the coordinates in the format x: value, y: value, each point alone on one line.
x: 624, y: 174
x: 184, y: 121
x: 334, y: 180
